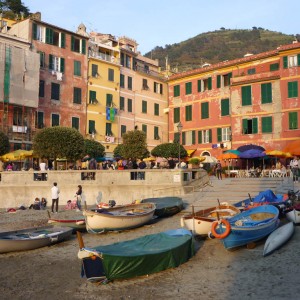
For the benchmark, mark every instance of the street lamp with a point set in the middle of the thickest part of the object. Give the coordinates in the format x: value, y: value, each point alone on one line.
x: 179, y: 128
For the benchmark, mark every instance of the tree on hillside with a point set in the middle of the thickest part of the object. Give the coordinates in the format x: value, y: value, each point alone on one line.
x: 93, y: 148
x: 168, y: 150
x: 134, y: 145
x: 4, y: 143
x: 59, y: 142
x: 11, y: 8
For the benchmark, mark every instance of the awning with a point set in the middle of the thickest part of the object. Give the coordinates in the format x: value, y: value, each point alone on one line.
x: 190, y: 152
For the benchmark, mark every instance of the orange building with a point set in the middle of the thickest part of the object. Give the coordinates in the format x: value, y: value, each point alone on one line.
x: 252, y: 100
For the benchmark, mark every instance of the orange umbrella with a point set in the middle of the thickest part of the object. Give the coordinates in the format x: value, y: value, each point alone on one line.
x: 228, y: 156
x: 293, y: 147
x: 278, y: 153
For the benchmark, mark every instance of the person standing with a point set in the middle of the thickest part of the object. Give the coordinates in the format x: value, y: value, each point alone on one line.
x: 79, y: 197
x: 43, y: 169
x: 294, y: 167
x: 219, y: 170
x: 55, y: 196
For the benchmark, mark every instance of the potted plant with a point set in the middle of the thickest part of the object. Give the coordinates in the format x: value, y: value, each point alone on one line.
x: 194, y: 162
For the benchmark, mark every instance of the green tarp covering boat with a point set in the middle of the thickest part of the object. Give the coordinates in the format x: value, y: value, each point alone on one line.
x: 142, y: 256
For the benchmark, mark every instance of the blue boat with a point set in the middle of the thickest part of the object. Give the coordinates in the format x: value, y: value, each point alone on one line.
x: 247, y: 227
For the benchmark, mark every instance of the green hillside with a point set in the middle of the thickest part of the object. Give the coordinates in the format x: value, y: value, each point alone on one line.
x: 217, y: 46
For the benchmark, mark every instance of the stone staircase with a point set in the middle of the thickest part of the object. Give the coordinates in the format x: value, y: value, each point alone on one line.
x: 233, y: 190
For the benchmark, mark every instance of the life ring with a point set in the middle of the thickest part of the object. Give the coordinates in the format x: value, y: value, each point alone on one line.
x: 225, y: 233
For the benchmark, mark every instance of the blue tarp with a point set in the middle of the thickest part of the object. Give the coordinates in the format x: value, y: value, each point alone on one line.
x: 267, y: 196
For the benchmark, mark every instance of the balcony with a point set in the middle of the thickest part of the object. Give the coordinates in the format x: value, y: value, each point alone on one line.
x: 104, y: 57
x: 245, y: 78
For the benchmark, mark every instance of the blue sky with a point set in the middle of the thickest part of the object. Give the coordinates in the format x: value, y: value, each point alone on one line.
x: 161, y: 22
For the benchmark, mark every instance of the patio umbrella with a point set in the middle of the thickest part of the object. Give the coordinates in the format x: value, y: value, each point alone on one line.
x: 19, y: 154
x: 250, y: 147
x: 278, y: 153
x: 209, y: 159
x: 224, y: 156
x: 293, y: 147
x: 149, y: 159
x: 233, y: 151
x: 252, y: 153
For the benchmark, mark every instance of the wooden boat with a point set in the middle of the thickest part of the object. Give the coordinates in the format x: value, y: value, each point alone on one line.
x: 32, y: 238
x: 247, y: 227
x: 200, y: 222
x: 278, y: 237
x: 142, y: 256
x: 119, y: 217
x: 75, y: 224
x: 165, y: 206
x: 293, y: 214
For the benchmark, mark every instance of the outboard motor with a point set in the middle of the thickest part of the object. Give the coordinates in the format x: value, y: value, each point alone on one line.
x: 111, y: 203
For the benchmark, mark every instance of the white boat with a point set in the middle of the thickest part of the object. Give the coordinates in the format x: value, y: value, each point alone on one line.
x: 118, y: 218
x: 32, y: 238
x: 293, y: 214
x: 200, y: 222
x: 278, y: 237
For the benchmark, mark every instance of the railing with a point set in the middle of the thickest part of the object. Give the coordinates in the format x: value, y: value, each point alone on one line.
x: 105, y: 57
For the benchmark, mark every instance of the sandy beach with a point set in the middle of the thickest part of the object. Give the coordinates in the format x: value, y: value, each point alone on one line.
x: 213, y: 273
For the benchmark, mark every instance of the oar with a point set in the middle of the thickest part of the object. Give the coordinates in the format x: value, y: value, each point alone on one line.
x: 219, y: 201
x: 80, y: 240
x: 250, y: 199
x: 48, y: 212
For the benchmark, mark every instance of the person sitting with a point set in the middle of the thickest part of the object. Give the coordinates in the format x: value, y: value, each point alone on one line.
x: 43, y: 203
x: 36, y: 204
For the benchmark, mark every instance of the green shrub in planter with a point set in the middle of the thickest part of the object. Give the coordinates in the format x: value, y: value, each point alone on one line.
x: 194, y: 161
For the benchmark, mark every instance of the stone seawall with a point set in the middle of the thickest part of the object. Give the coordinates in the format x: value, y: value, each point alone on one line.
x: 124, y: 186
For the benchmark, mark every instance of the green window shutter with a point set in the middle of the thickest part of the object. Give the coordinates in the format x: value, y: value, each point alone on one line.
x: 75, y: 123
x: 108, y: 130
x: 193, y: 137
x: 123, y: 129
x: 183, y: 138
x: 298, y: 60
x: 176, y: 114
x: 129, y: 83
x: 176, y: 90
x: 229, y: 77
x: 293, y: 89
x: 109, y: 99
x: 285, y: 62
x: 77, y: 95
x: 245, y: 126
x: 122, y: 103
x: 34, y: 31
x: 156, y: 109
x: 72, y: 43
x: 129, y: 105
x: 293, y: 120
x: 225, y: 107
x: 188, y: 113
x: 50, y: 62
x: 55, y: 120
x: 144, y: 128
x: 218, y: 81
x: 63, y: 40
x: 209, y: 83
x: 62, y: 65
x: 40, y: 120
x: 111, y: 74
x: 274, y: 67
x: 77, y: 68
x: 144, y: 106
x: 122, y: 81
x: 156, y: 135
x: 219, y: 134
x: 188, y: 88
x: 91, y: 126
x: 92, y: 96
x: 49, y: 36
x: 83, y: 46
x: 254, y: 125
x: 266, y: 124
x: 266, y: 93
x: 246, y: 95
x: 199, y: 86
x: 199, y: 137
x: 204, y: 110
x: 210, y: 135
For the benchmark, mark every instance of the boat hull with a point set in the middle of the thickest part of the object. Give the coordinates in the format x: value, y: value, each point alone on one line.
x: 76, y: 224
x: 250, y: 226
x: 278, y: 237
x: 32, y: 238
x: 293, y: 214
x: 118, y: 218
x: 146, y: 255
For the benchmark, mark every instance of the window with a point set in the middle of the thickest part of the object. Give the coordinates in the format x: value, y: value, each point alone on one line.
x: 75, y: 123
x: 188, y: 88
x: 123, y: 130
x: 225, y: 107
x: 144, y: 106
x: 55, y: 120
x: 122, y: 103
x: 156, y: 130
x: 176, y: 90
x: 249, y: 126
x: 42, y: 59
x: 109, y: 100
x: 199, y: 86
x: 122, y: 81
x: 77, y: 68
x: 156, y: 109
x: 77, y: 95
x: 205, y: 136
x: 274, y: 67
x: 56, y: 64
x: 108, y: 130
x: 111, y: 74
x: 40, y: 120
x: 266, y: 125
x: 291, y: 61
x: 42, y: 89
x: 188, y: 113
x: 176, y: 114
x: 189, y: 137
x: 129, y: 105
x: 144, y: 128
x: 55, y: 38
x: 145, y: 84
x: 95, y: 70
x: 158, y: 88
x: 293, y: 120
x: 92, y: 97
x: 223, y: 80
x: 223, y: 134
x: 92, y: 126
x: 38, y: 32
x: 18, y: 116
x: 251, y: 71
x: 55, y: 91
x: 293, y: 89
x: 204, y: 110
x: 78, y: 45
x: 129, y: 83
x: 266, y: 92
x: 246, y: 95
